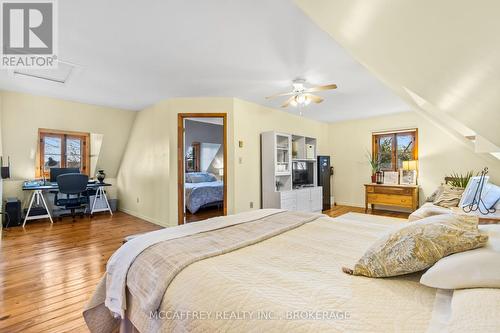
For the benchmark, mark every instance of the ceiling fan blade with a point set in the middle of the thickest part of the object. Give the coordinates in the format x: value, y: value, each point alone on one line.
x: 281, y: 94
x: 314, y: 98
x: 321, y: 88
x: 287, y: 102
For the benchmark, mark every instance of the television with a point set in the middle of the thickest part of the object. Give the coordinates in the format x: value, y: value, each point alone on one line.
x: 302, y: 174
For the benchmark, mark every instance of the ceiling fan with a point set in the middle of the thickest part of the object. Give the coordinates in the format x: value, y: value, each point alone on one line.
x: 301, y: 96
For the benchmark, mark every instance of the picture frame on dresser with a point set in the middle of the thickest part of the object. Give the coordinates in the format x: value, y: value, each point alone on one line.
x: 408, y: 177
x: 391, y: 177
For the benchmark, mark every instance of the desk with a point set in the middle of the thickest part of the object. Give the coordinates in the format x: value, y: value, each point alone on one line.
x: 38, y: 187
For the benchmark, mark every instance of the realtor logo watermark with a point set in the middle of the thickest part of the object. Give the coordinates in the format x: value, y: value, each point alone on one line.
x: 29, y: 32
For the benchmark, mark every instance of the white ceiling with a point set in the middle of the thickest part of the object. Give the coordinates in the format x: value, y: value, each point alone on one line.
x: 132, y: 54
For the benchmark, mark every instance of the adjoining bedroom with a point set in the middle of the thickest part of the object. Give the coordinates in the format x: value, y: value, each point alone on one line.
x: 204, y: 167
x: 199, y: 166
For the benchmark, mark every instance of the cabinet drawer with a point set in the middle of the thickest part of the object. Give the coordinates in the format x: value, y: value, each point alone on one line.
x: 392, y: 199
x: 288, y: 195
x: 389, y: 190
x: 289, y: 204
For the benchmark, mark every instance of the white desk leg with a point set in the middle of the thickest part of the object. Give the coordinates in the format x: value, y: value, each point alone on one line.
x: 38, y: 195
x: 46, y: 207
x: 99, y: 194
x: 107, y: 202
x: 95, y: 199
x: 29, y: 207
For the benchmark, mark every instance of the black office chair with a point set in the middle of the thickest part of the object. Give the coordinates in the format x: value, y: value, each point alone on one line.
x: 74, y: 186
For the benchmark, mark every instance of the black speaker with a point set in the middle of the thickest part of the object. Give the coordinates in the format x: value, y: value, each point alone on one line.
x: 4, y: 170
x: 13, y: 210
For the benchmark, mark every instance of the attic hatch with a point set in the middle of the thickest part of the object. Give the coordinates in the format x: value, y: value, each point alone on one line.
x: 61, y: 74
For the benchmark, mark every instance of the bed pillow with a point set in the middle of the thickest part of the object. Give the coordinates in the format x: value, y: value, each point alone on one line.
x: 200, y: 177
x: 435, y: 194
x: 419, y: 245
x: 449, y: 197
x: 479, y: 268
x: 427, y: 209
x: 491, y: 195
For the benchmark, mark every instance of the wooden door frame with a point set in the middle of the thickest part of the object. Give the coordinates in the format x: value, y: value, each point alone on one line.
x: 180, y: 159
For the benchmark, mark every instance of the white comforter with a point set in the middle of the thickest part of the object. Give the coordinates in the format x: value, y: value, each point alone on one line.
x: 119, y: 264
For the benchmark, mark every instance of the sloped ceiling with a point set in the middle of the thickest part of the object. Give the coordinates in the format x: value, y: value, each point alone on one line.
x: 447, y: 52
x: 133, y: 54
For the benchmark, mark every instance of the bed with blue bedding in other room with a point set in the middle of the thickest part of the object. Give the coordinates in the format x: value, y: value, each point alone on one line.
x: 202, y: 189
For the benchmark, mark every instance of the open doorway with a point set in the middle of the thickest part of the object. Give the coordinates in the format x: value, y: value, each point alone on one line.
x: 202, y: 166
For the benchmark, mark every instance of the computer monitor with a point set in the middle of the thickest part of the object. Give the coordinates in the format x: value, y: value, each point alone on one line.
x: 54, y: 172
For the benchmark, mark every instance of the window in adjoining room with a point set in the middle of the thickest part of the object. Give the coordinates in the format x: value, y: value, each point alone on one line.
x: 60, y: 149
x: 392, y: 148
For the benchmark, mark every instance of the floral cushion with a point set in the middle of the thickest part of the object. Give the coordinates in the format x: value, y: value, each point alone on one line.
x: 419, y: 245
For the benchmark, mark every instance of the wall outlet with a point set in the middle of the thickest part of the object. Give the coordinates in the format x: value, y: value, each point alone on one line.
x: 251, y: 204
x: 240, y: 160
x: 137, y: 199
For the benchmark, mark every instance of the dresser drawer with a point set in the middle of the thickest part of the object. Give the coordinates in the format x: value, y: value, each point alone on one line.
x: 390, y: 199
x: 389, y: 190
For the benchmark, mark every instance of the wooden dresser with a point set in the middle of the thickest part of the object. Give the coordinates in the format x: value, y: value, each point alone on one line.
x: 405, y: 196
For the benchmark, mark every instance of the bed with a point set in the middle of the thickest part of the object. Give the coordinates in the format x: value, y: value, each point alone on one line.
x: 202, y: 190
x: 278, y: 271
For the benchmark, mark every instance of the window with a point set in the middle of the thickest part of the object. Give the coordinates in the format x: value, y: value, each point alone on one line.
x: 392, y: 148
x: 59, y: 149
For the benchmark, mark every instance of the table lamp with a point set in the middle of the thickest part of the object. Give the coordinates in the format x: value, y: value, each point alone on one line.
x: 410, y: 165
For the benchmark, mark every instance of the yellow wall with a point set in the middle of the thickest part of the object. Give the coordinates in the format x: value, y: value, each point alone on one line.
x: 23, y: 114
x: 147, y: 180
x: 439, y: 154
x: 139, y: 151
x: 250, y: 120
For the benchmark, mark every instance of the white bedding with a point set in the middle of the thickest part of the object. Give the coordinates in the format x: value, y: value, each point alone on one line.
x: 119, y: 263
x: 297, y: 273
x: 295, y: 283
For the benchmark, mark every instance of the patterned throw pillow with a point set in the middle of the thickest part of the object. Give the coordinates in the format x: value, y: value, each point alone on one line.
x: 449, y: 197
x: 435, y: 194
x: 419, y: 245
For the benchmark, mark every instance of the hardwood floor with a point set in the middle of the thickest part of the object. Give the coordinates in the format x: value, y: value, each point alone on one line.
x: 48, y: 272
x: 204, y: 213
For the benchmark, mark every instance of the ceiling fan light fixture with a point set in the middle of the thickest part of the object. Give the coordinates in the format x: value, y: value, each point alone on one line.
x: 301, y: 100
x: 301, y: 96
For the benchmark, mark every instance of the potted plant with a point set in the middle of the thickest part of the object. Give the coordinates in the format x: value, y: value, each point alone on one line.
x: 375, y: 165
x: 460, y: 180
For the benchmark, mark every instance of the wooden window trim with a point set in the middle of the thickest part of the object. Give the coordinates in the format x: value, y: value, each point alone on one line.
x: 42, y: 133
x: 394, y: 134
